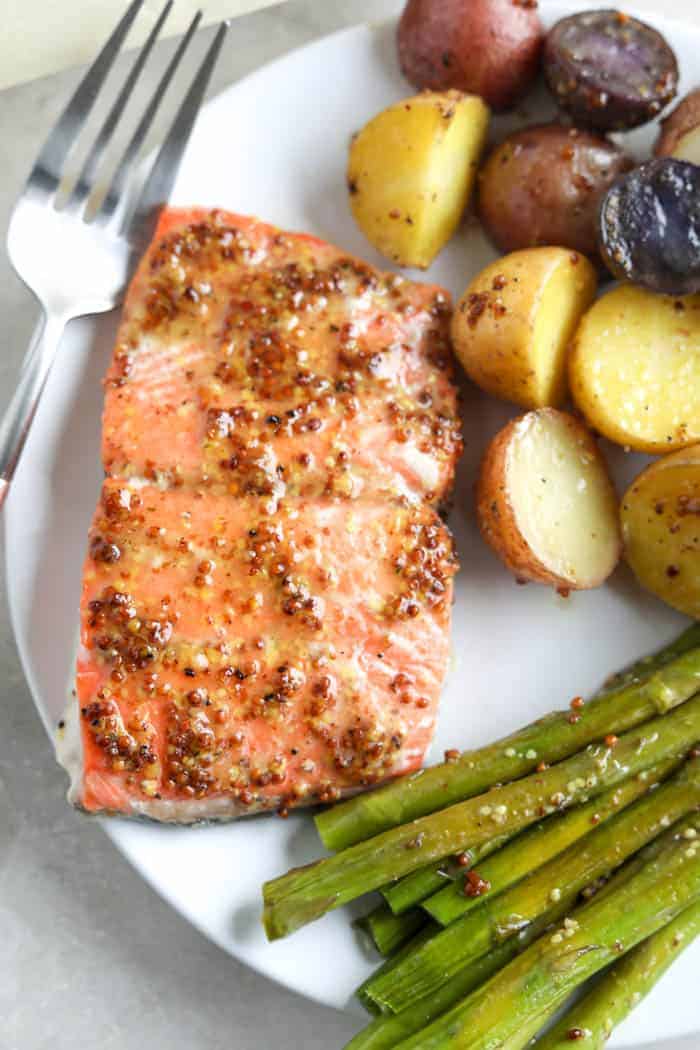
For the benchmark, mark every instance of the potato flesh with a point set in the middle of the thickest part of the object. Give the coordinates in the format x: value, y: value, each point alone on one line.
x: 661, y: 530
x: 562, y: 501
x: 688, y: 147
x: 635, y: 369
x: 566, y: 294
x: 411, y: 172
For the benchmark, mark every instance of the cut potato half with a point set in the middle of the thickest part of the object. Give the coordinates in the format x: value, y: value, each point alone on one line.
x: 661, y: 529
x: 688, y: 147
x: 680, y: 130
x: 411, y: 171
x: 546, y: 504
x: 634, y: 369
x: 513, y: 325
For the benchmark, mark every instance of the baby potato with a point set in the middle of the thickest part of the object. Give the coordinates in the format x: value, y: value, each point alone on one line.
x: 488, y: 47
x: 543, y: 185
x: 512, y: 327
x: 546, y: 504
x: 411, y: 171
x: 634, y: 369
x: 661, y: 529
x: 680, y: 131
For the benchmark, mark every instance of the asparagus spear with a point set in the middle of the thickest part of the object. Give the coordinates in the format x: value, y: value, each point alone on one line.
x: 550, y: 739
x: 591, y: 1021
x: 413, y: 888
x: 389, y: 931
x: 689, y: 639
x: 423, y: 935
x: 422, y: 971
x: 539, y: 844
x: 307, y: 893
x: 512, y: 1005
x: 388, y: 1029
x: 419, y: 885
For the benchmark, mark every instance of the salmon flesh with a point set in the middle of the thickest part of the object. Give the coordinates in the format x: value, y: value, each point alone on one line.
x: 266, y: 597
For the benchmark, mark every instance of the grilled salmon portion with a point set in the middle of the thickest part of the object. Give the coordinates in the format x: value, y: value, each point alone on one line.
x: 266, y: 595
x: 255, y: 661
x: 259, y: 362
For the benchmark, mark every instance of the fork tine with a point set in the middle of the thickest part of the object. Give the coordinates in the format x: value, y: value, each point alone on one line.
x: 84, y: 183
x: 156, y: 190
x: 46, y: 172
x: 123, y: 170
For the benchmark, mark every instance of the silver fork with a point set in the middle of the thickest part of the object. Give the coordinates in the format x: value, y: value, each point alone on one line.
x: 76, y: 263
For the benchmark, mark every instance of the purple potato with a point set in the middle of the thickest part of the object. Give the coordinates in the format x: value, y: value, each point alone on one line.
x: 610, y: 71
x: 649, y: 227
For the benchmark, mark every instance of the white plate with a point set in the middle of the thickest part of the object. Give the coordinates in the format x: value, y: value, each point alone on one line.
x: 275, y: 145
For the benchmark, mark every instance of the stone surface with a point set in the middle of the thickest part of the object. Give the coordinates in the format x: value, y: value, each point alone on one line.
x: 91, y: 957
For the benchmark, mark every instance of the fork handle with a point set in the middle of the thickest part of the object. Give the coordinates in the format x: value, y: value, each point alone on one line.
x: 20, y: 413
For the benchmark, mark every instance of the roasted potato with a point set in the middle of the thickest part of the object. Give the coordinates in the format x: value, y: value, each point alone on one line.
x: 634, y: 369
x: 411, y: 171
x: 608, y: 70
x: 649, y: 226
x: 512, y: 327
x: 680, y: 131
x: 661, y: 529
x: 545, y: 502
x: 486, y: 47
x: 543, y: 185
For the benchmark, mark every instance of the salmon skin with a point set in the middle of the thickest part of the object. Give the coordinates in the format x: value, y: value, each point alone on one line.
x: 266, y: 596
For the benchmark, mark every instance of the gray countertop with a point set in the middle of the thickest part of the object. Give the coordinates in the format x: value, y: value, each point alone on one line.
x: 91, y: 957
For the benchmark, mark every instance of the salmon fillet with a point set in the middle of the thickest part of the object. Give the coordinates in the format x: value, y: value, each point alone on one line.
x: 266, y: 596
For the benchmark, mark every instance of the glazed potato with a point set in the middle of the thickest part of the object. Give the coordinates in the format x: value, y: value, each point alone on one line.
x: 545, y: 502
x: 609, y: 70
x: 512, y: 327
x: 487, y: 47
x: 649, y: 226
x: 661, y: 529
x: 411, y: 171
x: 543, y: 185
x: 680, y: 131
x: 634, y: 369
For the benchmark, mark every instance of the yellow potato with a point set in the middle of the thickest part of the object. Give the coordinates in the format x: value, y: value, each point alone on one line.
x: 512, y: 327
x: 661, y: 529
x: 634, y: 369
x: 411, y: 171
x: 545, y: 502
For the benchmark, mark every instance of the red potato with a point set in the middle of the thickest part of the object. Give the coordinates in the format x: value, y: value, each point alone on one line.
x: 680, y: 131
x: 546, y: 504
x: 486, y: 47
x: 543, y: 186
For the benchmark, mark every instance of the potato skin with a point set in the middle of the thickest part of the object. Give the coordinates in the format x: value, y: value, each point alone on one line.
x: 684, y: 118
x: 495, y: 515
x: 494, y: 326
x: 543, y: 185
x: 487, y: 47
x: 496, y: 519
x: 660, y: 516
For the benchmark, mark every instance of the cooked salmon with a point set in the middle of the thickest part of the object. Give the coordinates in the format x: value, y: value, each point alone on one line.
x: 266, y: 595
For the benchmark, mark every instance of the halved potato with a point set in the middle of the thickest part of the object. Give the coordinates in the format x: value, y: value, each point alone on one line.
x: 546, y: 504
x: 634, y: 369
x: 512, y: 327
x: 661, y: 529
x: 411, y: 171
x: 680, y: 131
